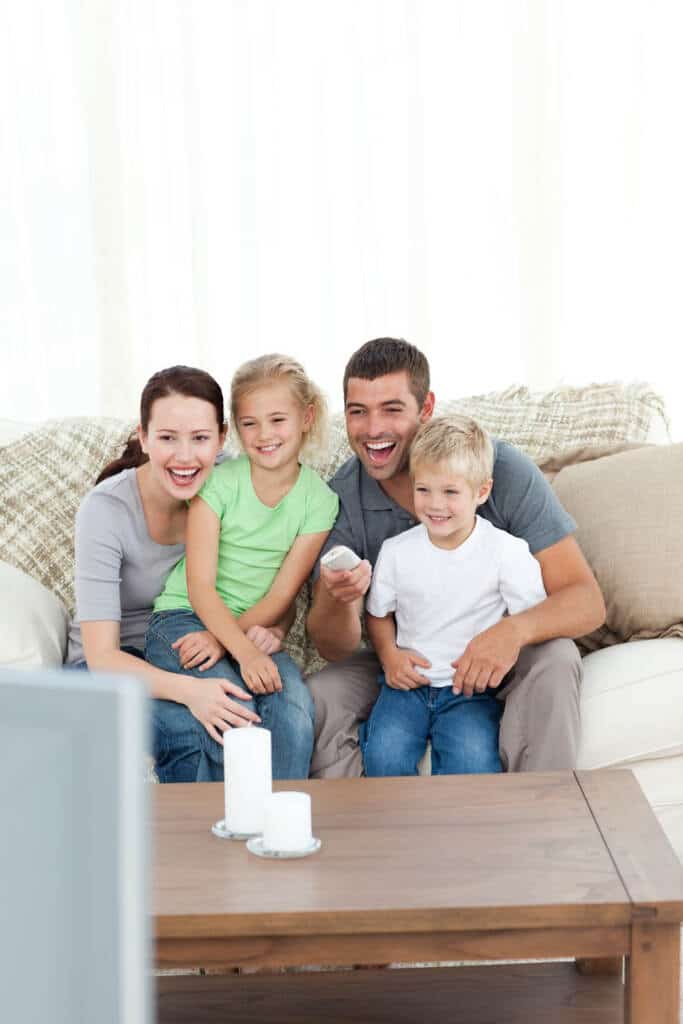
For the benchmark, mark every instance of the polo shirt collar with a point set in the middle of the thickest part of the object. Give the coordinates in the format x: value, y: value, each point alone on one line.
x: 375, y: 499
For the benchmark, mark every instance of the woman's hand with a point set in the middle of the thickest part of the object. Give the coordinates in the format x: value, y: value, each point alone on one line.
x: 198, y: 649
x: 268, y: 640
x: 260, y: 673
x: 210, y: 705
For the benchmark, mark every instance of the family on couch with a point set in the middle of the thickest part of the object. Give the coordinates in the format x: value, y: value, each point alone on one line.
x: 153, y: 569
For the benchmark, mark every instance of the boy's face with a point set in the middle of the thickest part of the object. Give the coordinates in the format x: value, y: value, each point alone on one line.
x: 382, y: 417
x: 446, y: 503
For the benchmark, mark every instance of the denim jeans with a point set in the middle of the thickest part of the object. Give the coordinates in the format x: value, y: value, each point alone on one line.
x: 463, y: 731
x: 183, y: 749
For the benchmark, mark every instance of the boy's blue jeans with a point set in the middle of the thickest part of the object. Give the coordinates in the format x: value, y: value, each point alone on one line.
x: 183, y: 749
x: 463, y: 731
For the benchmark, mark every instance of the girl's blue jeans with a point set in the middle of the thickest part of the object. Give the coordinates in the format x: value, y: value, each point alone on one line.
x: 463, y: 731
x: 183, y: 749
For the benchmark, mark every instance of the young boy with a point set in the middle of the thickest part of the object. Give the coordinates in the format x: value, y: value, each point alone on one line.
x: 434, y: 587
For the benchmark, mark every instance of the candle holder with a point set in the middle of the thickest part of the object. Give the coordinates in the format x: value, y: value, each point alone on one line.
x: 223, y: 832
x: 287, y: 828
x: 255, y: 845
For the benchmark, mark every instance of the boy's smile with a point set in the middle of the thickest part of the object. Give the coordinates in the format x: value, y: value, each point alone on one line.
x: 446, y: 503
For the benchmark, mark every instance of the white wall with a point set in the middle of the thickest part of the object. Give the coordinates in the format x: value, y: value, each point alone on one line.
x: 198, y: 182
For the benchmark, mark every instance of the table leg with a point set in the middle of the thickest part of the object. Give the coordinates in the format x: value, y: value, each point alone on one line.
x: 652, y: 975
x: 604, y: 967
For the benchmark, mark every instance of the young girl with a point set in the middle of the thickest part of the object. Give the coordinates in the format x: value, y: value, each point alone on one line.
x: 254, y: 533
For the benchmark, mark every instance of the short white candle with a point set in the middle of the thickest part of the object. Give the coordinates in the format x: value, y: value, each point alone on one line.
x: 288, y: 822
x: 248, y: 778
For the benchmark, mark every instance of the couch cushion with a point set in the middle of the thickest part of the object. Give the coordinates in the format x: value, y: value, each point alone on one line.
x: 43, y: 477
x: 33, y: 622
x: 629, y: 510
x: 632, y: 704
x: 569, y: 417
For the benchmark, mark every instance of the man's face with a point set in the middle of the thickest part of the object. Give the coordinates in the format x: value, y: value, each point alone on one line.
x: 382, y: 417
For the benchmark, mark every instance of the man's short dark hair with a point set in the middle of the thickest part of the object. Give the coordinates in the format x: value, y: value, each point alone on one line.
x: 381, y: 356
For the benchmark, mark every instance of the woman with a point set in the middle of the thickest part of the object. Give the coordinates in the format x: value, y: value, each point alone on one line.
x: 130, y: 532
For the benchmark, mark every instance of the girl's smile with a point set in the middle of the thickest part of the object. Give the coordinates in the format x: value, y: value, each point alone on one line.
x: 271, y: 423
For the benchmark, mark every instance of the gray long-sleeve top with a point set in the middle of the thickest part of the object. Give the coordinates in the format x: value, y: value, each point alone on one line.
x: 120, y: 570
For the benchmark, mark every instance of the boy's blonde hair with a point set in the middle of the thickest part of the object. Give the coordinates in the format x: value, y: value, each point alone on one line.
x: 270, y: 369
x: 457, y: 440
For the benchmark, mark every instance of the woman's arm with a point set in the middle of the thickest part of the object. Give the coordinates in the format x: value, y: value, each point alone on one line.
x: 101, y: 644
x: 207, y: 699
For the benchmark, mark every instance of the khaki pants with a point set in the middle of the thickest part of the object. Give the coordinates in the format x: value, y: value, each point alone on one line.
x: 539, y: 730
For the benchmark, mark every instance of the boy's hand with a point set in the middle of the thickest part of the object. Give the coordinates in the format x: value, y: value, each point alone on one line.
x: 199, y: 648
x: 347, y: 585
x: 486, y: 659
x: 260, y: 673
x: 400, y: 669
x: 268, y: 640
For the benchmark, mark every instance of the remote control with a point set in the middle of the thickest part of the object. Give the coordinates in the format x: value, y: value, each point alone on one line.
x: 340, y: 557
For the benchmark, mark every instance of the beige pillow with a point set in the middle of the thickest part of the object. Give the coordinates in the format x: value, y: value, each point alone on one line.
x: 629, y: 511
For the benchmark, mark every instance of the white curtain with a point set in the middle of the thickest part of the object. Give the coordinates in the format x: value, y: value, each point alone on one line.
x: 498, y: 181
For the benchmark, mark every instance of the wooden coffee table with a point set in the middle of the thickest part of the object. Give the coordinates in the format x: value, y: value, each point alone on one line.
x: 478, y: 868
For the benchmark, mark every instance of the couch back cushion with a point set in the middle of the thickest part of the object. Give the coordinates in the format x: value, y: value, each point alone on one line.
x: 629, y: 509
x: 43, y: 477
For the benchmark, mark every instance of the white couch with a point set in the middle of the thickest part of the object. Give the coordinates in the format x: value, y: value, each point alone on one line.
x: 632, y: 699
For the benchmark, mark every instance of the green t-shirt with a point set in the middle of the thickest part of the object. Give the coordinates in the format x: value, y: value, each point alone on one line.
x: 254, y: 539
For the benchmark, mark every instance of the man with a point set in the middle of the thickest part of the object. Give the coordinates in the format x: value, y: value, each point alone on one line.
x: 527, y: 656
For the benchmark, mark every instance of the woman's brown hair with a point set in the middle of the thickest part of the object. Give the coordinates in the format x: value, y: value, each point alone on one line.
x: 175, y: 380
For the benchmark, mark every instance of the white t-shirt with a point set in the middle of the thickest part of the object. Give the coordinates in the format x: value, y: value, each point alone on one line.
x: 442, y: 599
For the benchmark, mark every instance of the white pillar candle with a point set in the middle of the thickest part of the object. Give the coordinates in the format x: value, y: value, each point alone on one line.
x: 288, y: 822
x: 248, y: 778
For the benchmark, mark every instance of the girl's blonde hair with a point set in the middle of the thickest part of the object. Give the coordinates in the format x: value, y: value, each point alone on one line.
x: 457, y: 440
x: 270, y: 369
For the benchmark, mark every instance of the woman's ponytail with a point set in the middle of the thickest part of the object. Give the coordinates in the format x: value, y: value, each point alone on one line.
x: 131, y: 457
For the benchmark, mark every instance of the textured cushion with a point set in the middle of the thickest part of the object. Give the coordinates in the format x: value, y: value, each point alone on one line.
x: 570, y: 417
x: 629, y: 510
x: 43, y: 477
x: 33, y: 622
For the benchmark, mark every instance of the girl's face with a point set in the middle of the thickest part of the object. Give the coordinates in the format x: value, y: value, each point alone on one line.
x: 272, y: 423
x: 182, y: 441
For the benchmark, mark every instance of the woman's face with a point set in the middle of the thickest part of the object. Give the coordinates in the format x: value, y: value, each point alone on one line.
x: 182, y: 441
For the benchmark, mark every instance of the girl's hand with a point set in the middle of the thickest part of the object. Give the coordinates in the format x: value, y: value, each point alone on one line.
x: 260, y: 673
x: 267, y: 640
x: 198, y: 648
x: 210, y: 705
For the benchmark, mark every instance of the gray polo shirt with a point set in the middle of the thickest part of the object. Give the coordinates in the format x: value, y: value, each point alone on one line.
x: 521, y: 502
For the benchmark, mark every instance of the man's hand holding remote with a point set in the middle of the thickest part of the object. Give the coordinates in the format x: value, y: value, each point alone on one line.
x: 345, y: 585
